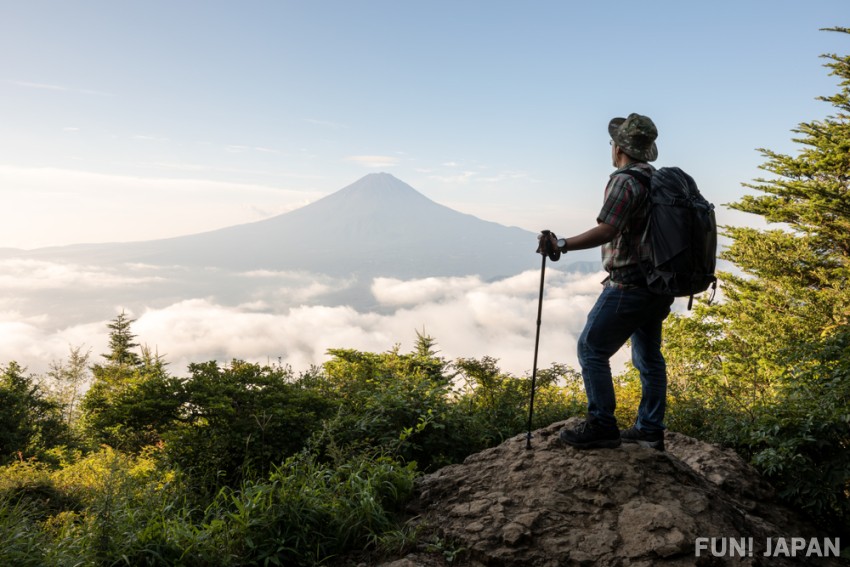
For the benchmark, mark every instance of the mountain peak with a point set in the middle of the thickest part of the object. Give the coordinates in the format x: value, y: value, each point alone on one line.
x: 373, y: 194
x: 378, y: 185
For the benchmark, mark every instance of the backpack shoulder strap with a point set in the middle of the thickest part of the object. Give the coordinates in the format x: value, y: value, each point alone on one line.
x: 641, y: 177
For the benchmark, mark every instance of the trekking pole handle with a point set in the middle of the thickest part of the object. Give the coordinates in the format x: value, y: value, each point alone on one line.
x: 545, y: 247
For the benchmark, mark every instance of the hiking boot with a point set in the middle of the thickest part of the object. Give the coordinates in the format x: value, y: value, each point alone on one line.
x: 651, y: 439
x: 589, y: 434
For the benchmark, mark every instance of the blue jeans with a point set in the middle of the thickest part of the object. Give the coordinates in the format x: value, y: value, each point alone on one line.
x: 620, y: 315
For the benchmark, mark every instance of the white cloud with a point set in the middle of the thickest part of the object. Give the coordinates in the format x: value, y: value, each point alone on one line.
x: 467, y: 317
x: 391, y: 291
x: 28, y: 341
x: 296, y: 287
x: 29, y: 275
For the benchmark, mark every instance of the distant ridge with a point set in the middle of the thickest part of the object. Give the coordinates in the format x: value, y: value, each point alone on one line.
x: 377, y: 226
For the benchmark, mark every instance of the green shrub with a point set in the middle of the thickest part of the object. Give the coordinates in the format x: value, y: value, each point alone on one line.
x: 499, y: 401
x: 801, y: 442
x: 241, y: 419
x: 30, y: 423
x: 400, y: 403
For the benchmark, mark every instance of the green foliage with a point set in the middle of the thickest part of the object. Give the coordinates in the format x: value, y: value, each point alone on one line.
x: 499, y: 401
x: 398, y: 402
x: 121, y: 343
x: 30, y: 423
x: 67, y: 381
x: 89, y: 512
x: 23, y: 543
x: 112, y: 508
x: 132, y: 400
x: 802, y: 442
x: 428, y: 411
x: 130, y: 408
x: 239, y: 418
x: 307, y: 512
x: 766, y: 370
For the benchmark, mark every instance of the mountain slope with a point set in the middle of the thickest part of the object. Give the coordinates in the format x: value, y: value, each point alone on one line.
x: 378, y: 225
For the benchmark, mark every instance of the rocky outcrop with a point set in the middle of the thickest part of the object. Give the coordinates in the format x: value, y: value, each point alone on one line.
x: 555, y: 506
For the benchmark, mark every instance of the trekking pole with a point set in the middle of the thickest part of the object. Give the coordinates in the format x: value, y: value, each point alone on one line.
x: 545, y: 235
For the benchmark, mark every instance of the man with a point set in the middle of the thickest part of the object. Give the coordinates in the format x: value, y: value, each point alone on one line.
x: 625, y: 309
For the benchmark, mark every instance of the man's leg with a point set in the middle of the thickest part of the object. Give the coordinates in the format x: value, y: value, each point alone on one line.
x: 603, y: 335
x: 648, y: 360
x: 606, y: 330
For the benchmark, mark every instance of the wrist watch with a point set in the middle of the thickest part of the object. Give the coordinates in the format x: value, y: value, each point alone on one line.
x: 562, y: 244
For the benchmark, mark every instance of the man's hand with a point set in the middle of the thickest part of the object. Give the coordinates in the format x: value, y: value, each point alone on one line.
x: 548, y: 244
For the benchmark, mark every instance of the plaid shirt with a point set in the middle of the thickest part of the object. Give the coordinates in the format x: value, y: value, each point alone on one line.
x: 626, y: 209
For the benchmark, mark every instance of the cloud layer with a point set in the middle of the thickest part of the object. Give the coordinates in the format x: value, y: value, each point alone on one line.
x: 468, y: 317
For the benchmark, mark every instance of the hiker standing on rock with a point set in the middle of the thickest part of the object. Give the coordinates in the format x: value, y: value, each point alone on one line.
x: 625, y: 309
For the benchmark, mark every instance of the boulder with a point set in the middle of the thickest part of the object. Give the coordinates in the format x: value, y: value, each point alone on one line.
x: 554, y: 506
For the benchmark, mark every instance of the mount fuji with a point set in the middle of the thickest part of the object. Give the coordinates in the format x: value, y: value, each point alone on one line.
x: 377, y: 226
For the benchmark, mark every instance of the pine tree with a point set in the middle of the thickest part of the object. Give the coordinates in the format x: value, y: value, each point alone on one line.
x: 772, y: 360
x: 126, y: 393
x: 121, y: 341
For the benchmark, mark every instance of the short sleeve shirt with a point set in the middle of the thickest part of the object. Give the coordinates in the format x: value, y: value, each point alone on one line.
x: 626, y: 209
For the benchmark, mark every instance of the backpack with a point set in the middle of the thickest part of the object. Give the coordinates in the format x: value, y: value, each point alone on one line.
x: 681, y: 233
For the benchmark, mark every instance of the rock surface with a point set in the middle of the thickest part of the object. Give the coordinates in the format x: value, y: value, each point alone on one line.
x: 555, y: 506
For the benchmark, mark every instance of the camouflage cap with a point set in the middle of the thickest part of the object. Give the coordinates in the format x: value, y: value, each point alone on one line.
x: 635, y: 135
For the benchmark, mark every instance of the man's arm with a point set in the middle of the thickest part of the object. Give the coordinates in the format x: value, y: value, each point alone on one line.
x: 596, y: 236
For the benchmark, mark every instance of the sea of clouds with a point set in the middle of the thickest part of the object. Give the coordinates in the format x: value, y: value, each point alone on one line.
x: 46, y: 308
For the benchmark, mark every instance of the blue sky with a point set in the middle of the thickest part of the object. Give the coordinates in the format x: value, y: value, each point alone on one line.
x: 137, y: 120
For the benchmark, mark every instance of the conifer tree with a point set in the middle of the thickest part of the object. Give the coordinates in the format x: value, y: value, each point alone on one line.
x: 772, y: 360
x: 132, y: 397
x: 121, y: 342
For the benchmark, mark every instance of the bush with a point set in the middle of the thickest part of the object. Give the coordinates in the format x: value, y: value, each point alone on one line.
x: 241, y: 419
x: 499, y: 401
x: 400, y: 403
x: 800, y: 442
x: 30, y: 423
